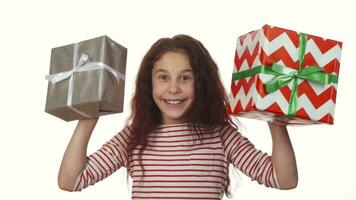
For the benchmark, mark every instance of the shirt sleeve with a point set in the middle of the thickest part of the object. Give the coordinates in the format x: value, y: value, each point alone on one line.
x: 243, y: 155
x: 105, y: 161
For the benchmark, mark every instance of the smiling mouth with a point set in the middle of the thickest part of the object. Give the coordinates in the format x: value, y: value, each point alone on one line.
x: 174, y: 102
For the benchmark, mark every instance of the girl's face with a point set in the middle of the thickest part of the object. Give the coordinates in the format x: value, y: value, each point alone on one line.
x: 173, y: 86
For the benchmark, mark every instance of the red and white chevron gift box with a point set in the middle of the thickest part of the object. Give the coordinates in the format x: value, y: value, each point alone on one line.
x: 301, y: 69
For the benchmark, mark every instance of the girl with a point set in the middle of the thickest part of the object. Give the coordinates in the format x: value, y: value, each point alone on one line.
x: 178, y: 98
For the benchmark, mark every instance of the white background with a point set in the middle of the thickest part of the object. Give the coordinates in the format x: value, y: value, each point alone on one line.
x: 32, y: 142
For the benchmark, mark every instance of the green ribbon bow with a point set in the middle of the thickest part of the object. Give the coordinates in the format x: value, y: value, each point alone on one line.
x: 284, y: 75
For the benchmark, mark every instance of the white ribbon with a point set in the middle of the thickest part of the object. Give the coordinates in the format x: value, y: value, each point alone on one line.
x: 82, y: 66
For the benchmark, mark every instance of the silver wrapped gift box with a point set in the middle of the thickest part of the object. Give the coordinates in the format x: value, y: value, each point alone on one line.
x: 86, y: 79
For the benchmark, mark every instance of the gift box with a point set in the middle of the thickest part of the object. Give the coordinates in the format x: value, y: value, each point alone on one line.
x: 286, y: 76
x: 86, y: 79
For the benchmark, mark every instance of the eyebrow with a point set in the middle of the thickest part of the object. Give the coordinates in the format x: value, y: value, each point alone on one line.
x: 165, y: 71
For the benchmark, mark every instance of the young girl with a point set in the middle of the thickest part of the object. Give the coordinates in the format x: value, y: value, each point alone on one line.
x: 178, y: 98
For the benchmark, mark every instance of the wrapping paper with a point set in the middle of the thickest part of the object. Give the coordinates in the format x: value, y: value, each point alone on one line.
x: 86, y: 79
x: 285, y: 75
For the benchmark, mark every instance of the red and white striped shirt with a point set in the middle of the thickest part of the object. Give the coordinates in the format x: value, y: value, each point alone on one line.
x: 176, y: 166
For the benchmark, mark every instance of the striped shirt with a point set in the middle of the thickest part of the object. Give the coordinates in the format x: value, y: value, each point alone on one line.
x: 179, y: 166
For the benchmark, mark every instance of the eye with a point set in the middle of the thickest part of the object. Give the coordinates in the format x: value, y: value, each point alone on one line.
x: 163, y: 77
x: 186, y: 77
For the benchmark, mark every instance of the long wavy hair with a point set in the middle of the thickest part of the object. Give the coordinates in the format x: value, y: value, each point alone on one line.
x: 208, y: 108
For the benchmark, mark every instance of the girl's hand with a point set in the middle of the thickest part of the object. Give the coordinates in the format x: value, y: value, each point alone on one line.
x: 279, y: 121
x: 88, y: 122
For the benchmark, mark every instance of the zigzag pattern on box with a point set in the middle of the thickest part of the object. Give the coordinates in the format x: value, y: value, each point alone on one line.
x: 321, y: 104
x: 287, y: 51
x: 269, y: 103
x: 280, y: 47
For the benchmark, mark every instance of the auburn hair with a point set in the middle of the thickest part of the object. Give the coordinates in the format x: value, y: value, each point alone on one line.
x: 208, y: 108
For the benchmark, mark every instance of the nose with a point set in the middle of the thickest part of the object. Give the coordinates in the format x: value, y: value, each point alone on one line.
x: 174, y: 87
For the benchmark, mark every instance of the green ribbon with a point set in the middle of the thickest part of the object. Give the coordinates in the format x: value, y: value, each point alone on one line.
x: 284, y: 75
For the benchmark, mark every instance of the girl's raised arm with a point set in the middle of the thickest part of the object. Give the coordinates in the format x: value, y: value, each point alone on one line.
x: 74, y: 159
x: 283, y: 157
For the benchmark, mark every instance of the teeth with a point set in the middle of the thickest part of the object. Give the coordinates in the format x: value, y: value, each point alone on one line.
x: 174, y: 102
